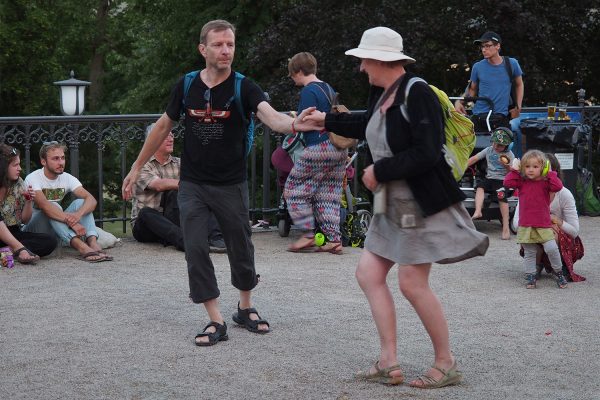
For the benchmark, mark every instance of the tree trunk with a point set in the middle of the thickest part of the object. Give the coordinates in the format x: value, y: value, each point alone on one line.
x: 98, y: 53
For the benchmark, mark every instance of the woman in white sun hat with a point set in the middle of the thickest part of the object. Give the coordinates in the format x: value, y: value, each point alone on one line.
x: 419, y: 218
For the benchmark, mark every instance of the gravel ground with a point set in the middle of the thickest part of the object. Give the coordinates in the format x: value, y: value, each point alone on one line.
x: 124, y: 329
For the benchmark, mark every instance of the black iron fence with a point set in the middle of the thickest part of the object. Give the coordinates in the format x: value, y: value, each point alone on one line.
x: 113, y: 141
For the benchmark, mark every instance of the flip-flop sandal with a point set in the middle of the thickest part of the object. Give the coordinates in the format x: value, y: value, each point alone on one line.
x: 107, y: 257
x: 35, y: 258
x: 242, y: 317
x: 220, y: 335
x: 331, y: 247
x: 305, y: 244
x: 382, y: 375
x: 87, y: 257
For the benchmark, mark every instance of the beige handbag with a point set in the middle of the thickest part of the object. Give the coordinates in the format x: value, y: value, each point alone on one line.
x: 338, y: 141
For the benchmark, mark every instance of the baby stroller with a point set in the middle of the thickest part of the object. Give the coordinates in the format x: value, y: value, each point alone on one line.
x: 354, y: 222
x: 491, y: 208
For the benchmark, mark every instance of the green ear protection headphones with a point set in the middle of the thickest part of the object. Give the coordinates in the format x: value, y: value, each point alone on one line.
x: 546, y: 168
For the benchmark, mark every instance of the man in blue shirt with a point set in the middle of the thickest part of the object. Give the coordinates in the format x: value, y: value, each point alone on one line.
x: 490, y: 78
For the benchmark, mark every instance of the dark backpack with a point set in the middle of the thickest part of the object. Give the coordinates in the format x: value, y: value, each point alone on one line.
x: 236, y: 98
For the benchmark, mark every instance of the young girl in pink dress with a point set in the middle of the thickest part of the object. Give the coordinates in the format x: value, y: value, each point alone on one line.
x: 535, y: 181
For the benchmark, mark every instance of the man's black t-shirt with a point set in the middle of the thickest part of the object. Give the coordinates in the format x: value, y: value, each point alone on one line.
x: 214, y: 146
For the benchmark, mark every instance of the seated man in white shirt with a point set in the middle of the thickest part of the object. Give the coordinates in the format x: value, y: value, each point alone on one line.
x: 74, y: 225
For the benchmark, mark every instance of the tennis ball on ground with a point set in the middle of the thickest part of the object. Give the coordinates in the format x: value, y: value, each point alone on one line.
x: 320, y: 239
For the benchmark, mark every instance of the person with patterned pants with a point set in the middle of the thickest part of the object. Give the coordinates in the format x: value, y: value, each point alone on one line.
x: 313, y: 189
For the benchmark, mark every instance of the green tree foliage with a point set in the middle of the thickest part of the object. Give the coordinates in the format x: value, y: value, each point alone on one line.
x: 41, y: 41
x: 160, y: 44
x: 550, y: 39
x: 134, y: 51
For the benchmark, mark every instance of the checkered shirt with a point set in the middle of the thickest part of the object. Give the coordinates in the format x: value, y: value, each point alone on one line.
x: 143, y: 195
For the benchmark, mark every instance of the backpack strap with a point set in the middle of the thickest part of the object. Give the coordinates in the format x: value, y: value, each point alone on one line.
x: 509, y: 71
x: 331, y: 96
x: 508, y: 67
x: 248, y: 122
x: 403, y: 106
x: 237, y: 96
x: 187, y: 83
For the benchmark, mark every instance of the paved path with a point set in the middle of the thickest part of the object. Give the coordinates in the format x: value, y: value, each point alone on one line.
x: 124, y: 330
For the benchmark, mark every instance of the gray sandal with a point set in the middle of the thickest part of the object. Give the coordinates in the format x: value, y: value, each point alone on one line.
x: 451, y: 376
x: 382, y: 375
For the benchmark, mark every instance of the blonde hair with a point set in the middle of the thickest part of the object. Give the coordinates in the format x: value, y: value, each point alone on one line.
x: 530, y: 156
x: 303, y: 62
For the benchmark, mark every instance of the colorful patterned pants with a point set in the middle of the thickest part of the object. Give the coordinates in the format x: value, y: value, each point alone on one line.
x: 313, y: 189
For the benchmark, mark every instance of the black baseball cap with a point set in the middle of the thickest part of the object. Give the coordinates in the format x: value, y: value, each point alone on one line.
x: 488, y: 36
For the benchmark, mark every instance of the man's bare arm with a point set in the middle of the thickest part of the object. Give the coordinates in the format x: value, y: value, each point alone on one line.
x: 277, y: 121
x: 164, y: 184
x: 161, y: 129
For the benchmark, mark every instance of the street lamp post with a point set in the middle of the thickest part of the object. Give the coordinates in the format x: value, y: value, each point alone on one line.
x: 72, y: 102
x: 72, y: 95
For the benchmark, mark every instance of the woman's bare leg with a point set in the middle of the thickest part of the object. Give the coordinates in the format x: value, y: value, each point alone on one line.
x: 414, y: 285
x: 371, y: 275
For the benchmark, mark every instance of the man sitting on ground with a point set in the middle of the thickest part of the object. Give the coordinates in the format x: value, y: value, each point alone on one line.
x: 155, y: 214
x: 75, y: 225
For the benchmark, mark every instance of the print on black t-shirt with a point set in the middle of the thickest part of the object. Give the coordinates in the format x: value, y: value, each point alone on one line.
x: 207, y: 125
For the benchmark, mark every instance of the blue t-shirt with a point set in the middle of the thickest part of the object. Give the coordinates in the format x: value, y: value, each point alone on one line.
x: 311, y: 95
x: 493, y: 82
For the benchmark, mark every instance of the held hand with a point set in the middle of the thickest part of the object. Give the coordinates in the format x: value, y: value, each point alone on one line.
x: 305, y: 112
x: 368, y: 178
x: 556, y: 220
x: 505, y: 160
x: 516, y: 165
x: 128, y: 183
x: 515, y: 113
x: 79, y: 229
x: 460, y: 107
x: 29, y: 193
x: 310, y: 120
x: 71, y: 219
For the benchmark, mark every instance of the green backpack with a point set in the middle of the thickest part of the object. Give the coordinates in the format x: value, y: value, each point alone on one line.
x: 460, y: 134
x: 586, y: 194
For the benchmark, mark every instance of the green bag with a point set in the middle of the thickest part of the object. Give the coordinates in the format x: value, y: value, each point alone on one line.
x: 459, y: 130
x: 587, y: 195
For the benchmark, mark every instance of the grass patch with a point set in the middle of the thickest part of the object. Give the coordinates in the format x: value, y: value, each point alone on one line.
x: 116, y: 228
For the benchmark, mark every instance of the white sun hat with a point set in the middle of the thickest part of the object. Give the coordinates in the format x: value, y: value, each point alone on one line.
x: 380, y: 43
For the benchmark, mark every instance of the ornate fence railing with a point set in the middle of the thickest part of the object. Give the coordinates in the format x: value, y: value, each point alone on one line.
x: 111, y: 142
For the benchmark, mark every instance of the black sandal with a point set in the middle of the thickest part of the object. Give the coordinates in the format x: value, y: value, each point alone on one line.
x: 213, y: 337
x: 242, y: 317
x: 33, y: 260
